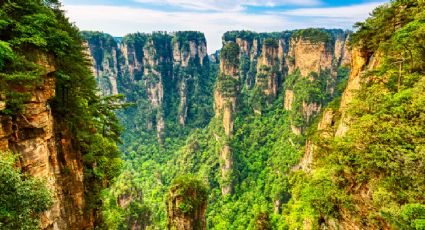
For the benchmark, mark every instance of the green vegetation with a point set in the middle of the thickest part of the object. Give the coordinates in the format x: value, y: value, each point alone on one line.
x: 22, y: 198
x: 35, y: 34
x: 123, y: 204
x: 244, y: 34
x: 230, y: 53
x: 312, y: 89
x: 264, y: 151
x: 193, y: 192
x: 270, y: 42
x: 148, y: 165
x: 263, y: 147
x: 382, y: 152
x: 183, y: 38
x: 313, y: 35
x: 372, y: 176
x: 190, y: 196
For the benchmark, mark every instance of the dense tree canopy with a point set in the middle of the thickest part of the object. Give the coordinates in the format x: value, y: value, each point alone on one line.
x: 23, y: 198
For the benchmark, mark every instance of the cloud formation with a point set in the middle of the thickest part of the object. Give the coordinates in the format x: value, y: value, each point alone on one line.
x: 354, y: 11
x: 121, y: 20
x: 226, y: 5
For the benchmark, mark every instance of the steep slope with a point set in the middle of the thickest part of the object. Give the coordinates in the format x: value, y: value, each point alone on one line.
x: 249, y: 146
x: 50, y: 115
x: 167, y: 76
x: 168, y: 79
x: 367, y: 160
x: 46, y: 153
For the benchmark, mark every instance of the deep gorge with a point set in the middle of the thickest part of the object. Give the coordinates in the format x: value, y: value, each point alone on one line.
x: 300, y: 129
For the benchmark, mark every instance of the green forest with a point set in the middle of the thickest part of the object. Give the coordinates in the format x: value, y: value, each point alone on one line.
x: 302, y: 129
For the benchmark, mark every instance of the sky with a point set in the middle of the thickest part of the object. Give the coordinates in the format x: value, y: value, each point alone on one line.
x: 121, y: 17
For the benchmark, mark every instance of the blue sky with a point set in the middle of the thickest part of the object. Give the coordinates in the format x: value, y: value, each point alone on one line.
x: 214, y: 17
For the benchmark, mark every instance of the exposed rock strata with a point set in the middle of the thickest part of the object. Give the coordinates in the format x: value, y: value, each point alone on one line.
x: 47, y: 151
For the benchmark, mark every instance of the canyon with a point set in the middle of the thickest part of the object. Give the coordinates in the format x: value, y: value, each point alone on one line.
x: 168, y: 76
x: 300, y: 129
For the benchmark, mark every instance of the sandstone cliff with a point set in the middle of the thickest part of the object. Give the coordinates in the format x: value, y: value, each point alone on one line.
x: 335, y: 122
x: 316, y: 55
x: 47, y: 150
x: 165, y: 75
x: 269, y: 69
x: 104, y: 55
x: 254, y: 68
x: 225, y: 104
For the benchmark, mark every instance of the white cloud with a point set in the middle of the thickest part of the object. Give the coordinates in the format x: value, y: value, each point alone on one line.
x: 354, y: 11
x: 121, y: 20
x: 226, y: 5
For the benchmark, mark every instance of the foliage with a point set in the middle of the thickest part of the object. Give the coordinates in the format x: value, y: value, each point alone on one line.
x: 123, y: 203
x: 383, y: 150
x: 262, y: 157
x: 23, y: 198
x: 244, y: 34
x: 314, y: 35
x: 192, y: 190
x: 149, y: 161
x: 183, y: 38
x: 313, y: 89
x: 230, y: 54
x: 263, y: 147
x: 36, y: 38
x: 270, y: 42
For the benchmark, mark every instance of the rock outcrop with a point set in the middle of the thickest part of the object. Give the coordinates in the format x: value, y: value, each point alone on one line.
x: 104, y: 56
x: 254, y: 69
x: 359, y: 64
x: 269, y: 68
x: 225, y: 103
x: 47, y: 151
x: 335, y: 122
x: 186, y: 205
x: 316, y: 55
x: 129, y: 195
x: 153, y: 70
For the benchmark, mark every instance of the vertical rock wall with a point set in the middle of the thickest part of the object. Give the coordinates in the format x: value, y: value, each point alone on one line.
x: 225, y: 103
x: 47, y: 151
x: 161, y: 68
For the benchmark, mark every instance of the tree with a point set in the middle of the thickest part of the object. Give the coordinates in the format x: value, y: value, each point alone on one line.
x: 22, y: 198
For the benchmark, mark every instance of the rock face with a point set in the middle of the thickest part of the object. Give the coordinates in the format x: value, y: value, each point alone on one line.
x: 186, y: 205
x: 225, y: 103
x: 47, y: 151
x: 259, y: 65
x: 269, y: 69
x: 158, y: 69
x: 309, y: 56
x: 335, y: 122
x: 359, y: 64
x: 129, y: 195
x: 104, y: 56
x: 316, y: 55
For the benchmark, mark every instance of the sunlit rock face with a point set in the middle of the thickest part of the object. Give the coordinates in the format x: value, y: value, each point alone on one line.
x: 47, y: 151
